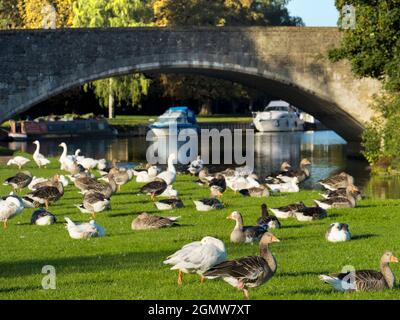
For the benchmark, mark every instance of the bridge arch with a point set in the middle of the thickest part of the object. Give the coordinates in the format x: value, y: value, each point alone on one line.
x: 289, y: 63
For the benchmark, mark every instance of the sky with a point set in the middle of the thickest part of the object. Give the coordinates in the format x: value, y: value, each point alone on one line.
x: 315, y: 13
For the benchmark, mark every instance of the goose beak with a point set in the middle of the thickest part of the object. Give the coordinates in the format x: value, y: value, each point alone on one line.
x: 229, y: 217
x: 394, y: 259
x: 275, y: 239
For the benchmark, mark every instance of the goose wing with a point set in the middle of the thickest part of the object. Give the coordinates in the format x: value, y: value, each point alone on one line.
x: 50, y: 193
x: 248, y: 270
x: 254, y: 232
x: 156, y: 187
x: 365, y: 280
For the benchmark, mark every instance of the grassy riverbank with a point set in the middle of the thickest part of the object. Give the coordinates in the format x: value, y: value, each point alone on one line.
x: 127, y: 264
x: 133, y: 120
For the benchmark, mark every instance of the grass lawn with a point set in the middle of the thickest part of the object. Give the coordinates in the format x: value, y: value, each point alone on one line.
x: 127, y: 264
x: 132, y: 120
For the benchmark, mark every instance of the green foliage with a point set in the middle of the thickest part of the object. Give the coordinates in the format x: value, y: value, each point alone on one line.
x: 115, y: 13
x: 373, y: 49
x: 9, y: 15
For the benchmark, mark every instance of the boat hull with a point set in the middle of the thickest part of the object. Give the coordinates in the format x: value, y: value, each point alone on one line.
x: 280, y: 125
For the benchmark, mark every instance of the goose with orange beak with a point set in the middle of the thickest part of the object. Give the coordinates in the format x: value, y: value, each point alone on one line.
x: 245, y: 234
x: 248, y: 272
x: 364, y: 280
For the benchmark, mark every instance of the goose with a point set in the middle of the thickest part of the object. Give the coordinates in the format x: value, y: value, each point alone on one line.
x: 196, y: 166
x: 41, y: 217
x: 84, y: 230
x: 338, y: 232
x: 204, y: 177
x: 169, y: 176
x: 10, y: 207
x: 364, y: 280
x: 245, y: 234
x: 260, y: 192
x: 285, y: 167
x: 169, y: 204
x: 217, y: 185
x: 197, y: 257
x: 342, y: 180
x: 87, y: 163
x: 302, y: 174
x: 265, y: 219
x: 146, y: 176
x: 67, y: 162
x: 310, y: 213
x: 87, y: 184
x: 170, y: 192
x: 238, y: 182
x: 340, y: 202
x: 339, y: 193
x: 208, y: 204
x: 77, y: 155
x: 248, y: 272
x: 47, y: 194
x: 39, y: 159
x: 288, y: 211
x: 19, y: 181
x: 154, y: 188
x: 121, y: 176
x: 18, y: 161
x: 37, y: 183
x: 147, y: 221
x: 94, y: 202
x: 285, y: 187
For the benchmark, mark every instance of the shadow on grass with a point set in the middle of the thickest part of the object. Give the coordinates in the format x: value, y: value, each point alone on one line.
x: 85, y: 264
x: 364, y: 236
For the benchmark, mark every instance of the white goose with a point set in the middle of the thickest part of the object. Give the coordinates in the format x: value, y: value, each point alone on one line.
x: 239, y: 182
x: 170, y: 192
x: 67, y: 161
x: 169, y: 176
x: 146, y: 176
x: 84, y: 230
x: 18, y: 161
x: 197, y: 257
x: 10, y: 207
x: 286, y: 187
x: 87, y: 163
x: 40, y: 159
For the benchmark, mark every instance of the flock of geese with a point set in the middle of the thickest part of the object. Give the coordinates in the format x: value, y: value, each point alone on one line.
x: 207, y: 257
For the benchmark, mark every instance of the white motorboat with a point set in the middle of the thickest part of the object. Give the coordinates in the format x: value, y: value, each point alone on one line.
x: 278, y: 116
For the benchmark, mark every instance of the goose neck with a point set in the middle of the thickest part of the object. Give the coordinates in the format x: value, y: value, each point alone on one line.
x: 37, y: 148
x: 388, y: 274
x: 266, y: 254
x: 239, y: 223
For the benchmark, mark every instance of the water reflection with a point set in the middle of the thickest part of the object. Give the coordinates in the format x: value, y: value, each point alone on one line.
x: 325, y: 149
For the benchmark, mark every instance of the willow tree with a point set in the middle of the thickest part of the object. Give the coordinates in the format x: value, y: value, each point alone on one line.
x: 216, y: 13
x: 115, y: 13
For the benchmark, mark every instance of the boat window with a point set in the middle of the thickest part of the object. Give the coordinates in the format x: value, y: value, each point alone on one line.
x: 282, y: 109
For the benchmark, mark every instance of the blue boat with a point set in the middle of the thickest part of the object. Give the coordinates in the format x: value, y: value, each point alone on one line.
x: 175, y: 117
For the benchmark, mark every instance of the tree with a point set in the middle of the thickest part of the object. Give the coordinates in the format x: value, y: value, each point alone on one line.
x: 10, y: 17
x: 215, y: 13
x: 34, y: 12
x: 373, y: 49
x: 115, y: 13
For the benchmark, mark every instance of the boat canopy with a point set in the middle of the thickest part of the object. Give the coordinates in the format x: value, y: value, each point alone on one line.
x: 180, y: 112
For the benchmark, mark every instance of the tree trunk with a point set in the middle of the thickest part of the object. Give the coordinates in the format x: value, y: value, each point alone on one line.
x: 205, y: 109
x: 111, y: 103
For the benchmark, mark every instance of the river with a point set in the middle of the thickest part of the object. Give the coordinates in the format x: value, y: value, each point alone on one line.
x: 325, y: 149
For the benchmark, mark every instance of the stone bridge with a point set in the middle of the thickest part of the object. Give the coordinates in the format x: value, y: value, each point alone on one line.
x: 286, y: 62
